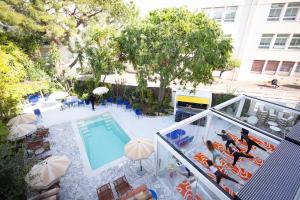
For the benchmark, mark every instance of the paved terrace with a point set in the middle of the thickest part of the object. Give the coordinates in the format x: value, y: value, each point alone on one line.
x: 284, y: 92
x: 80, y: 183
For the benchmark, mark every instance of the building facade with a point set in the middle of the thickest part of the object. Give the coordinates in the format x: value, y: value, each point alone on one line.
x: 266, y: 37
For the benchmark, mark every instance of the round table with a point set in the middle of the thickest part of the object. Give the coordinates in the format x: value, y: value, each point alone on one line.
x: 275, y: 128
x: 272, y: 123
x: 252, y: 120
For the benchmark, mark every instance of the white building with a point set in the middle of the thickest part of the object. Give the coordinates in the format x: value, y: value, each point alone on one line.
x: 266, y: 37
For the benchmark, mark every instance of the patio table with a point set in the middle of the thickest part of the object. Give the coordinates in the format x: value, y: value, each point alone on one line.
x: 252, y: 120
x: 272, y: 123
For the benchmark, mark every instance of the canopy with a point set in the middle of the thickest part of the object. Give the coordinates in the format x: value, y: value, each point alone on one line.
x: 58, y: 95
x: 20, y: 131
x: 191, y: 99
x: 100, y: 90
x: 139, y: 149
x: 22, y: 119
x: 47, y: 172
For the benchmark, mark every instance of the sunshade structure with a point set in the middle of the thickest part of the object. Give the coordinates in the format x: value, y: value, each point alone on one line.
x: 58, y: 95
x: 100, y: 90
x: 139, y: 149
x: 47, y: 172
x: 22, y: 119
x: 20, y: 131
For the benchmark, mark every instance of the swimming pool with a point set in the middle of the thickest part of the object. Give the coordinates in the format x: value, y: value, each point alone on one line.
x: 103, y: 139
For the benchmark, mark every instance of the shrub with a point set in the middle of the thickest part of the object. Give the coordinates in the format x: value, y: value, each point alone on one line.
x: 136, y: 105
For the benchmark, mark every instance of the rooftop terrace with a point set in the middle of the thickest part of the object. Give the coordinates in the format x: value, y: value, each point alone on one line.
x: 231, y: 116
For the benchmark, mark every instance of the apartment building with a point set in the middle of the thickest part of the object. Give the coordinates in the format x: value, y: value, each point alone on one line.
x: 266, y: 37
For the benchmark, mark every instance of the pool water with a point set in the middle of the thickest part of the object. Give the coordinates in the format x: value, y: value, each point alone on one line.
x: 103, y: 139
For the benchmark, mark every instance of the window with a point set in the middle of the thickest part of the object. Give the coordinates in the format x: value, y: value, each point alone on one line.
x: 295, y: 42
x: 280, y: 41
x: 291, y: 11
x: 265, y: 41
x: 275, y: 11
x: 230, y: 13
x: 271, y: 67
x: 297, y: 70
x: 218, y: 13
x: 257, y: 66
x: 207, y: 11
x: 286, y: 68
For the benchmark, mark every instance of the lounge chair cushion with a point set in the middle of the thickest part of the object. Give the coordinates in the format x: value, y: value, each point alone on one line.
x: 54, y: 197
x: 138, y: 193
x: 50, y: 193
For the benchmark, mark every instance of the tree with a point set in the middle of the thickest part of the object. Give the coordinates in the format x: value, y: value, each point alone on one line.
x: 175, y: 45
x: 102, y: 53
x: 31, y: 24
x: 18, y: 77
x: 229, y: 65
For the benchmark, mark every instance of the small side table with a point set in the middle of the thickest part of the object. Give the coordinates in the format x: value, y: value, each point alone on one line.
x: 272, y: 123
x: 252, y: 120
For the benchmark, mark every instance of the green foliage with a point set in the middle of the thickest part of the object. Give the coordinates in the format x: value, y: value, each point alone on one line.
x: 81, y: 88
x: 103, y: 53
x: 17, y: 79
x: 136, y: 105
x: 3, y: 131
x: 175, y: 44
x: 33, y: 23
x: 229, y: 65
x: 220, y: 98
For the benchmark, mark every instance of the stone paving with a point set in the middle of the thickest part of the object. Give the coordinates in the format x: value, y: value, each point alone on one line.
x: 76, y: 184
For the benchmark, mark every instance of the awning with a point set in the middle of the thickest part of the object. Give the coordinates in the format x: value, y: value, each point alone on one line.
x: 191, y: 99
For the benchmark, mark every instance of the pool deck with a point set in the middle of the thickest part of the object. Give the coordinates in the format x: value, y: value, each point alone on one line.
x: 80, y: 183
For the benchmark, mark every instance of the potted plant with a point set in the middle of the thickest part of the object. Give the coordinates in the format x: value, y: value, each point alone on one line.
x: 85, y: 97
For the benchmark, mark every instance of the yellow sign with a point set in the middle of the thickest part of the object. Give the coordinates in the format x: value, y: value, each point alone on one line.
x: 191, y: 99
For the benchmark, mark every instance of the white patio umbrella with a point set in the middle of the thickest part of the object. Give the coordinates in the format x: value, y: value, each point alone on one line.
x: 100, y: 90
x: 58, y: 95
x: 46, y: 173
x: 139, y: 149
x: 20, y: 131
x: 22, y: 119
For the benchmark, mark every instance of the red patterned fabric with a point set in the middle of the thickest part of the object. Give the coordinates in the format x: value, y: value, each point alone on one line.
x: 201, y: 158
x: 184, y: 188
x: 256, y: 160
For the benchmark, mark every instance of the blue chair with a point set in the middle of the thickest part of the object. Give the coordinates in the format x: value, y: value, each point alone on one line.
x: 37, y: 112
x: 138, y: 112
x: 184, y: 141
x: 110, y: 100
x: 119, y: 102
x: 81, y: 102
x: 128, y: 107
x: 176, y: 134
x: 33, y: 99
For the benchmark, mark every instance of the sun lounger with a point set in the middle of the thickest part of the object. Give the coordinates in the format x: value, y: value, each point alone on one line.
x: 122, y: 186
x: 184, y: 141
x: 140, y: 192
x: 49, y: 194
x: 105, y: 192
x: 176, y: 134
x: 36, y: 145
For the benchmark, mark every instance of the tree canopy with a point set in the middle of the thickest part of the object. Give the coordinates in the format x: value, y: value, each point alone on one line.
x: 103, y: 53
x: 176, y: 45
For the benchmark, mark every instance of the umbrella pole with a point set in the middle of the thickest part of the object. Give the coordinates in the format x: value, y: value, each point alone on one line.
x: 141, y: 172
